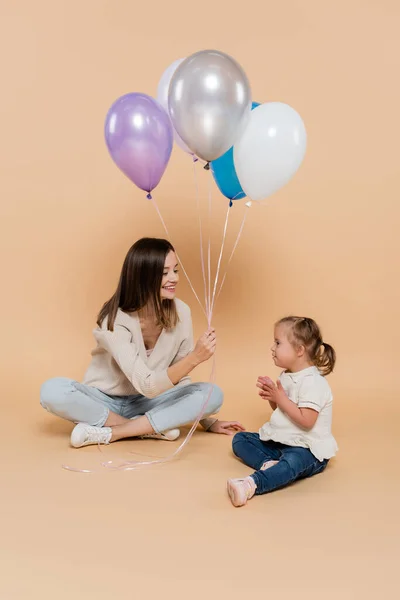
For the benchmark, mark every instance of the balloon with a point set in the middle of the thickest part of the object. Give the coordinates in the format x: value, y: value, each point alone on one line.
x: 223, y: 170
x: 162, y: 97
x: 139, y: 138
x: 209, y: 102
x: 270, y: 150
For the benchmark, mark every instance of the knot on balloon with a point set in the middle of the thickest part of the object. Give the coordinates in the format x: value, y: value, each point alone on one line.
x: 195, y: 159
x: 149, y: 196
x: 207, y: 166
x: 230, y: 203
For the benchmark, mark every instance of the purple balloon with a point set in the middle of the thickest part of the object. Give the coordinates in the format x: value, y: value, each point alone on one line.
x: 139, y: 137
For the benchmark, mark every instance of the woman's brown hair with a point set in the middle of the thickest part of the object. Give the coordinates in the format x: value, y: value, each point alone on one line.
x: 140, y: 284
x: 305, y: 332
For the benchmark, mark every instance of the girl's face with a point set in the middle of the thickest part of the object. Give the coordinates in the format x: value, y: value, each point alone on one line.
x: 170, y: 277
x: 284, y: 354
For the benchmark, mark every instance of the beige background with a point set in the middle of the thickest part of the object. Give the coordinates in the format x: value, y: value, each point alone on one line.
x: 326, y: 246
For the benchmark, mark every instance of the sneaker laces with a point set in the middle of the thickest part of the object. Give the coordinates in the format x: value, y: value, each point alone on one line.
x: 96, y: 434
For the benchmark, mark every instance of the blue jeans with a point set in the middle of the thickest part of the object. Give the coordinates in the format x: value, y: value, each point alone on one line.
x: 81, y: 403
x: 294, y: 463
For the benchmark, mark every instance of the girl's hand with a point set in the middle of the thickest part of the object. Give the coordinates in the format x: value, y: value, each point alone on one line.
x: 265, y: 385
x: 271, y: 391
x: 277, y: 393
x: 205, y: 346
x: 226, y: 427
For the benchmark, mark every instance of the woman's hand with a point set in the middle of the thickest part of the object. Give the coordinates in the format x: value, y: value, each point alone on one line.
x: 205, y: 346
x: 226, y: 427
x: 203, y: 350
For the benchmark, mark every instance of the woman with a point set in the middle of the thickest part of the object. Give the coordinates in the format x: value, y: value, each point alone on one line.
x: 137, y: 383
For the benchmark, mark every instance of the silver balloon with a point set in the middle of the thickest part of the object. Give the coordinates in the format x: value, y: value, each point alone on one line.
x: 209, y: 102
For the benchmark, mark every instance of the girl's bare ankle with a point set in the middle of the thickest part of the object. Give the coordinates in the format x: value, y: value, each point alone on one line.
x: 268, y: 464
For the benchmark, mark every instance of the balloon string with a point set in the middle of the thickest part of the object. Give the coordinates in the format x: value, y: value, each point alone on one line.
x: 209, y: 251
x: 212, y: 302
x: 109, y: 462
x: 220, y: 256
x: 76, y: 470
x: 132, y: 465
x: 135, y: 464
x: 183, y: 268
x: 196, y: 185
x: 248, y: 205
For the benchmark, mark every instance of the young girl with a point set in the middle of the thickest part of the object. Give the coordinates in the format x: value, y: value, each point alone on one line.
x: 297, y: 442
x: 137, y: 383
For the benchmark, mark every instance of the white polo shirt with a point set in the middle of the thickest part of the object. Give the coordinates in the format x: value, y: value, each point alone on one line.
x: 308, y: 389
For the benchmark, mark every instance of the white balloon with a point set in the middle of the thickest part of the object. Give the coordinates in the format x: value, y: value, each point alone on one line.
x: 162, y: 97
x: 270, y: 150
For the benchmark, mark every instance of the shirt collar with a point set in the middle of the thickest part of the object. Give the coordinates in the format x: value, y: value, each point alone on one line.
x: 299, y: 375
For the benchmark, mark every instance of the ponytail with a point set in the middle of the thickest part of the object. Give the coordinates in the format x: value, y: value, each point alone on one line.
x: 325, y: 359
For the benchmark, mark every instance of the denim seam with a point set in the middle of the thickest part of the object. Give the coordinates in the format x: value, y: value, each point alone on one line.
x: 101, y: 421
x: 148, y: 415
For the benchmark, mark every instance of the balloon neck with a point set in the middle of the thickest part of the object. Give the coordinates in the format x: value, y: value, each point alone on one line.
x: 149, y: 196
x: 207, y: 166
x: 230, y: 203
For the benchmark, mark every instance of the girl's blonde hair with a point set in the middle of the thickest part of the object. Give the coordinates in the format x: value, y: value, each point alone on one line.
x: 305, y: 332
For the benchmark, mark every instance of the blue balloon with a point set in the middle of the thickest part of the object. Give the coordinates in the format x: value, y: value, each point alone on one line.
x: 224, y: 173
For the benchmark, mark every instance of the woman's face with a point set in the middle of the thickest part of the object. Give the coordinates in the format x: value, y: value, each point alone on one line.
x: 170, y: 277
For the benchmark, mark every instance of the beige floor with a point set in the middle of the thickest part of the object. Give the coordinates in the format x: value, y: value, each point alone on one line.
x: 325, y: 246
x: 170, y: 531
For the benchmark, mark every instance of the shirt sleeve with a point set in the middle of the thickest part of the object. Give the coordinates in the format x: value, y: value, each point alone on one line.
x: 208, y: 422
x: 311, y: 395
x: 125, y: 353
x: 187, y: 343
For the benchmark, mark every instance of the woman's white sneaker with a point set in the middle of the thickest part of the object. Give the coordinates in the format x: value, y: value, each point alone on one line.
x: 169, y: 436
x: 84, y: 435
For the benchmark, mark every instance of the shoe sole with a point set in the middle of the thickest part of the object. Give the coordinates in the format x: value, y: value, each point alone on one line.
x: 232, y: 495
x: 164, y: 438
